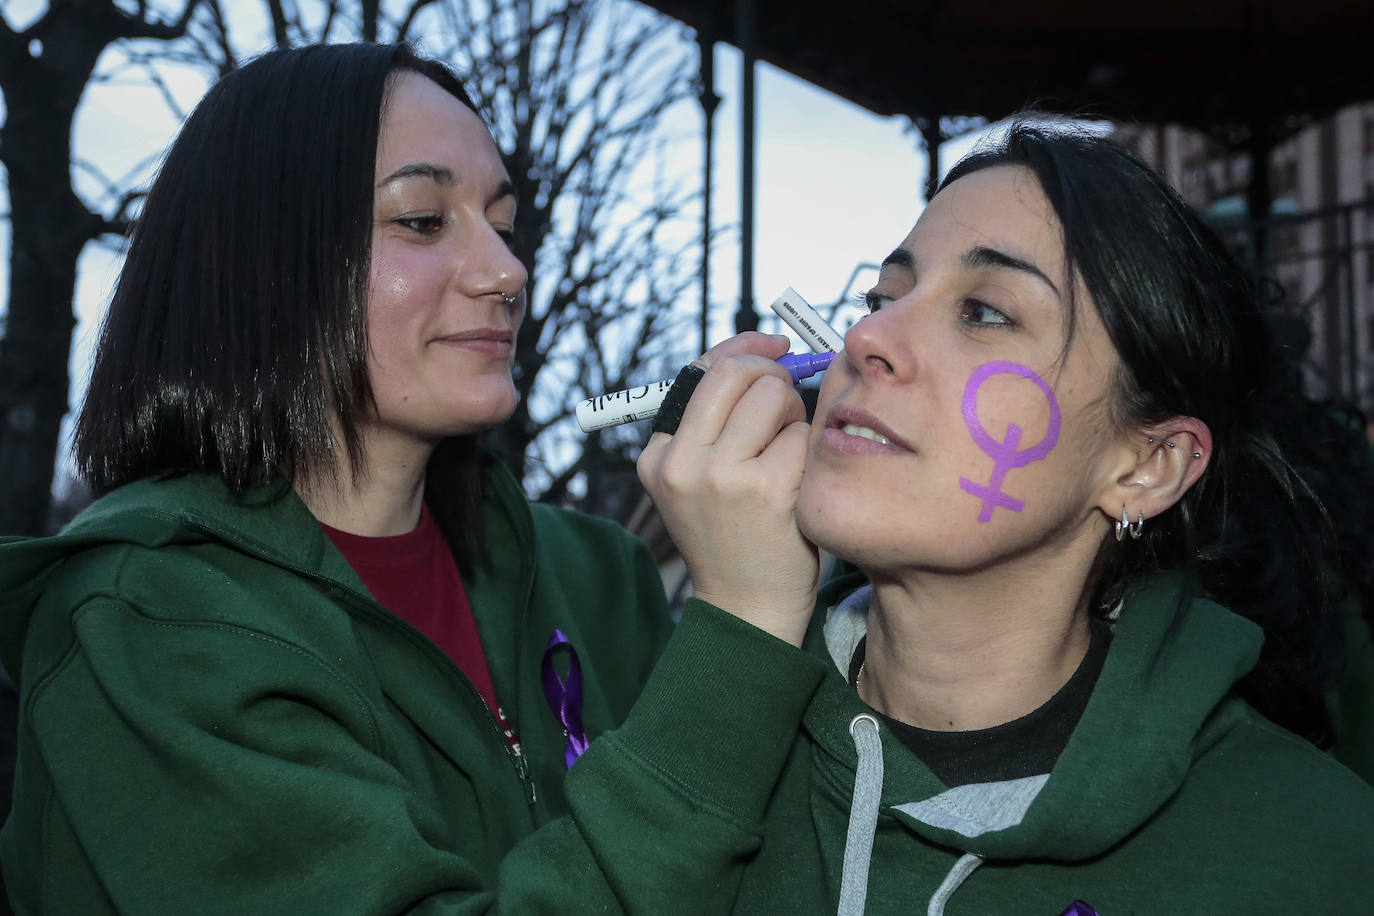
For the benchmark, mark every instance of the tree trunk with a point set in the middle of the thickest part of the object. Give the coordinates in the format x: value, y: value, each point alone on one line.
x: 49, y: 226
x: 43, y: 73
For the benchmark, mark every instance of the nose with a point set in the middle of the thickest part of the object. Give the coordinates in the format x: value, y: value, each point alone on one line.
x: 879, y: 344
x: 487, y: 266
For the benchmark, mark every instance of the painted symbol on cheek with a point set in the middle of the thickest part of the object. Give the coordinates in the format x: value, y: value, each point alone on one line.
x: 1005, y: 454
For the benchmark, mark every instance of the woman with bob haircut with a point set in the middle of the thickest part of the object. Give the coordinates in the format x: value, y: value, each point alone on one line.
x: 312, y: 650
x: 1089, y: 601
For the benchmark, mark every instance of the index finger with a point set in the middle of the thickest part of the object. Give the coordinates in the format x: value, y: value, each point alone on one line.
x: 749, y: 342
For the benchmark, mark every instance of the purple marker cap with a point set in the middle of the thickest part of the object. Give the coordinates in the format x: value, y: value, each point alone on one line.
x: 804, y: 365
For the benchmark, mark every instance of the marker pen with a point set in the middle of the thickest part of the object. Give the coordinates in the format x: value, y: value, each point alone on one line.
x: 643, y: 402
x: 807, y: 322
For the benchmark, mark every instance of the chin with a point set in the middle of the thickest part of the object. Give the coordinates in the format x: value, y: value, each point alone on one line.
x: 824, y: 521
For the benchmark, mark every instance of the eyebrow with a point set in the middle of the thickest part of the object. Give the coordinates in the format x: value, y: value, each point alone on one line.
x: 901, y: 258
x: 443, y: 175
x: 981, y: 256
x: 437, y: 173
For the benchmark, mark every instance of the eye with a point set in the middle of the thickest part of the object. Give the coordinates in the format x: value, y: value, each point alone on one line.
x: 974, y: 312
x: 426, y: 224
x: 874, y: 300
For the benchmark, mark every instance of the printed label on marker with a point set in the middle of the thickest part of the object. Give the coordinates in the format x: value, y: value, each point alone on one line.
x: 814, y: 331
x: 627, y: 406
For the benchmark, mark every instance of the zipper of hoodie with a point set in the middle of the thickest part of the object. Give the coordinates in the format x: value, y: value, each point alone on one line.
x: 335, y: 589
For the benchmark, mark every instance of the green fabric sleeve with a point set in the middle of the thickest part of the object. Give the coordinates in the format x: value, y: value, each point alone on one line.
x: 669, y: 805
x: 253, y: 777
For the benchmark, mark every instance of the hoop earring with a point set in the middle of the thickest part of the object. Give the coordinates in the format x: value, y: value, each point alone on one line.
x: 1122, y: 525
x: 1138, y: 527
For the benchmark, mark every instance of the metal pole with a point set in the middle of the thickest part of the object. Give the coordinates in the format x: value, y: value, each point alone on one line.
x: 1352, y: 349
x: 709, y: 100
x: 746, y: 319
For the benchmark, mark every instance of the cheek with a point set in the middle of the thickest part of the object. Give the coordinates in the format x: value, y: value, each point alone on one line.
x: 399, y: 288
x: 1012, y: 416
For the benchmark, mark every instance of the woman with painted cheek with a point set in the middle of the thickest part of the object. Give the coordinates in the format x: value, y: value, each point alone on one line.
x: 312, y: 651
x: 1078, y: 666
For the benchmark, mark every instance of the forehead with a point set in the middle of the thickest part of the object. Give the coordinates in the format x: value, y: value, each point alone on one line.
x: 422, y: 122
x: 1001, y: 207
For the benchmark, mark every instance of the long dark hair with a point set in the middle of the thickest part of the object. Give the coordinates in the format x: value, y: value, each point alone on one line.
x: 237, y: 330
x: 1186, y: 322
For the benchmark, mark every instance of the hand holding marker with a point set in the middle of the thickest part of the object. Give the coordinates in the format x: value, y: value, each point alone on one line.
x: 644, y: 401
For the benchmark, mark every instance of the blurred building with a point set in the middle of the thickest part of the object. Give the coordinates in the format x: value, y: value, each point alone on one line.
x: 1317, y: 241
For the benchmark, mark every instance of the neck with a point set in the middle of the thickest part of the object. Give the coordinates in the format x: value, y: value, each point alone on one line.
x: 385, y: 499
x: 960, y: 653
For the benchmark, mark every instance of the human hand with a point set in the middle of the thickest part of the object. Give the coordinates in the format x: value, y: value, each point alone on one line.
x: 726, y: 486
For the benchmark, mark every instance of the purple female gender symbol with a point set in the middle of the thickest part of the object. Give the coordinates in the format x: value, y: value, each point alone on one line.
x: 1004, y: 454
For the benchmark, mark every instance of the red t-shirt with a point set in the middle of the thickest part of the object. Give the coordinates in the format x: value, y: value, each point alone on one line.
x: 414, y: 576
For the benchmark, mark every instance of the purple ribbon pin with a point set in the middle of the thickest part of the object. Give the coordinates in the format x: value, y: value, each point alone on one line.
x: 1079, y: 908
x: 1004, y: 454
x: 565, y: 697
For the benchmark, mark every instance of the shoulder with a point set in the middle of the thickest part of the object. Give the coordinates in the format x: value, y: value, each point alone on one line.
x: 576, y: 535
x: 183, y: 554
x: 1272, y: 764
x: 1263, y: 789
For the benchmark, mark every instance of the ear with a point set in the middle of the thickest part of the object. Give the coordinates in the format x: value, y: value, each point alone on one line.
x: 1163, y: 461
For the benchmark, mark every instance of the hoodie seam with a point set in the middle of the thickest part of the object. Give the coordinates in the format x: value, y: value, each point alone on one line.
x: 91, y: 605
x: 681, y: 787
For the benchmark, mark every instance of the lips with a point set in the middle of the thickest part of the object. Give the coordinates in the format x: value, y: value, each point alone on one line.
x: 497, y: 342
x: 503, y: 335
x: 856, y: 431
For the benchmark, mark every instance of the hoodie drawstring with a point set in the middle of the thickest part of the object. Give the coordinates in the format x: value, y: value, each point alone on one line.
x: 961, y: 870
x: 863, y: 814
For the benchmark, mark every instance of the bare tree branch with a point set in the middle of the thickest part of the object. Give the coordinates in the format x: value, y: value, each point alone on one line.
x: 142, y: 27
x: 403, y: 30
x: 280, y: 35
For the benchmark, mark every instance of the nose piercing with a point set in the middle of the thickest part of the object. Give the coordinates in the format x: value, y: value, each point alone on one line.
x: 508, y: 300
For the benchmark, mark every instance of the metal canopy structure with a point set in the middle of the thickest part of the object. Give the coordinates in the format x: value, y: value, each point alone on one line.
x: 1249, y: 73
x: 1222, y: 66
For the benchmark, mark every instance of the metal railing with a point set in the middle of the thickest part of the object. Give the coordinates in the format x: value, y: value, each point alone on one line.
x: 1323, y: 263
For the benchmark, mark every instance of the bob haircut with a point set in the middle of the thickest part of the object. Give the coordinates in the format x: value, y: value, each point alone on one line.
x: 1185, y: 321
x: 237, y: 331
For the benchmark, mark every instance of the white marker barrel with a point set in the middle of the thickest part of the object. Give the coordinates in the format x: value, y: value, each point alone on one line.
x: 814, y: 331
x: 639, y: 403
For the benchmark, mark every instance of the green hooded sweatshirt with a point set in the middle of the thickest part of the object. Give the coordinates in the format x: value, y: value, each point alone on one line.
x: 1172, y: 796
x: 217, y: 718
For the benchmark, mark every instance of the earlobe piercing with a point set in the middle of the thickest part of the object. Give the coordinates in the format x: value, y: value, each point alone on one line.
x: 1197, y: 454
x: 1125, y: 524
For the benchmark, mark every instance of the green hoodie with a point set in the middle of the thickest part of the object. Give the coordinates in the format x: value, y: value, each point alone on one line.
x: 216, y: 717
x: 1172, y: 796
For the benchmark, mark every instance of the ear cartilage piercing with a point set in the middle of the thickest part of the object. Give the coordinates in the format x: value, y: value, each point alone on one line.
x: 1150, y: 439
x: 1170, y: 444
x: 1197, y: 454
